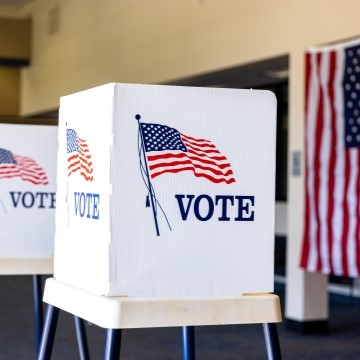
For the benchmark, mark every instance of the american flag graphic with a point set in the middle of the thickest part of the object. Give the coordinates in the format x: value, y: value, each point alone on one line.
x: 169, y: 151
x: 13, y: 165
x: 79, y: 158
x: 331, y: 241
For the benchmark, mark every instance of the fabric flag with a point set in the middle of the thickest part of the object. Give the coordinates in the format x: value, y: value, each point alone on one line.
x: 79, y: 158
x: 331, y: 243
x: 13, y: 165
x: 169, y: 151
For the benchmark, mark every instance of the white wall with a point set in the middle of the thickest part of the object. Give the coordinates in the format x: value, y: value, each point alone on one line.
x: 101, y: 41
x: 151, y: 41
x: 145, y: 41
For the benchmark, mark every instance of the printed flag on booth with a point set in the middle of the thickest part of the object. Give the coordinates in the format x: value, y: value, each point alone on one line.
x: 79, y: 158
x: 331, y: 242
x: 24, y: 167
x: 169, y: 151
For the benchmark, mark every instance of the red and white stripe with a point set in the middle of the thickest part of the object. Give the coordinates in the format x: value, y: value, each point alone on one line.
x: 332, y: 181
x: 81, y: 161
x: 202, y: 158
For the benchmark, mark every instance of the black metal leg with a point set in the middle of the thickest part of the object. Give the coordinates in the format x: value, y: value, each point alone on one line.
x: 272, y: 342
x: 188, y: 338
x: 47, y: 339
x: 81, y: 338
x: 113, y: 344
x: 38, y: 311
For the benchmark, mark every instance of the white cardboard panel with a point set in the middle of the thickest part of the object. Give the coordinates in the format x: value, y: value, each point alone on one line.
x: 27, y: 194
x: 221, y: 239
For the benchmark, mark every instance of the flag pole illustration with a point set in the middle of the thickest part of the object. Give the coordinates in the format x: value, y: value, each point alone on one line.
x: 149, y: 185
x: 168, y: 151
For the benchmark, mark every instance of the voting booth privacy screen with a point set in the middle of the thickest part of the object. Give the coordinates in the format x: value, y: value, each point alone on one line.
x: 28, y: 156
x: 166, y: 191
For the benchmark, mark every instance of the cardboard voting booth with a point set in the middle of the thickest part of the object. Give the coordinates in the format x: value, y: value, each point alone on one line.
x: 166, y: 191
x: 27, y: 196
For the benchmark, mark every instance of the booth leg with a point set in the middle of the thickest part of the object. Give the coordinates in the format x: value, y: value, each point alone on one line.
x: 113, y: 344
x: 272, y: 342
x: 38, y: 311
x: 188, y: 338
x: 47, y: 339
x: 81, y: 338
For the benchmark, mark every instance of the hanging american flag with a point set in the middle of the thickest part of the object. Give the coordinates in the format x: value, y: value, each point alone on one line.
x: 331, y: 241
x: 79, y: 158
x: 13, y: 165
x: 169, y: 151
